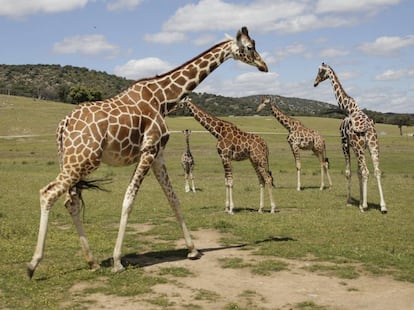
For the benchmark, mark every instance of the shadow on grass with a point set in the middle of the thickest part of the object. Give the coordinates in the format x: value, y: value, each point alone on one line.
x: 158, y: 257
x: 371, y: 206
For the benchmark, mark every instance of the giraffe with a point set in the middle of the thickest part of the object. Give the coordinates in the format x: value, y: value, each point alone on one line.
x: 301, y: 138
x: 187, y: 162
x: 358, y: 132
x: 127, y: 129
x: 235, y: 144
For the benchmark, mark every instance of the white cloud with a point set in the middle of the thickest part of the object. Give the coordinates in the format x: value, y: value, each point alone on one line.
x: 293, y: 49
x: 142, y: 68
x: 90, y: 45
x: 220, y: 15
x: 333, y: 52
x: 341, y: 6
x: 20, y: 8
x: 385, y: 46
x: 302, y: 23
x: 122, y: 4
x: 165, y: 37
x: 390, y: 75
x: 205, y: 40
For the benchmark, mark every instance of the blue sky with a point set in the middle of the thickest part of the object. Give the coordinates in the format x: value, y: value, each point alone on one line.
x: 369, y: 43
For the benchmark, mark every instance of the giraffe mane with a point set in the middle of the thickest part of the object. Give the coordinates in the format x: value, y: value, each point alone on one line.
x: 182, y: 65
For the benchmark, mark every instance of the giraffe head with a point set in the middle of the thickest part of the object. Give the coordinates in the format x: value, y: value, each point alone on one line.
x: 186, y: 132
x: 245, y: 50
x: 322, y: 74
x: 265, y: 100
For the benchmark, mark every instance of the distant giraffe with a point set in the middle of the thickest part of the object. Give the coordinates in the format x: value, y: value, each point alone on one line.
x: 357, y: 132
x: 234, y: 144
x: 301, y: 138
x: 187, y: 162
x: 127, y: 129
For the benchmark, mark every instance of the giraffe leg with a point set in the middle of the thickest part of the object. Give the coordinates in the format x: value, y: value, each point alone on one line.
x: 141, y: 170
x: 377, y: 172
x: 229, y: 195
x: 192, y: 182
x: 261, y: 202
x: 265, y: 179
x: 326, y: 168
x: 363, y: 190
x: 160, y: 172
x: 272, y: 201
x: 187, y: 184
x: 72, y: 204
x: 228, y: 183
x: 345, y: 149
x: 298, y: 167
x: 48, y: 196
x: 382, y: 201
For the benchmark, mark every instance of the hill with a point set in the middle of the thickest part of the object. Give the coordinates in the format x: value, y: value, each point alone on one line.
x: 71, y: 84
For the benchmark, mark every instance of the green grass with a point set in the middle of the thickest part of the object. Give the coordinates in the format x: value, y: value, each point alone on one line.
x: 310, y: 225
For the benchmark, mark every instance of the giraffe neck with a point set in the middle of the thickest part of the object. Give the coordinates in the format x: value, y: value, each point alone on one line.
x: 283, y: 119
x: 165, y: 90
x: 187, y: 144
x: 345, y: 102
x: 208, y: 121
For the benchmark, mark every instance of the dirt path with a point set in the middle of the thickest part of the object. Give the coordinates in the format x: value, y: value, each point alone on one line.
x: 213, y: 287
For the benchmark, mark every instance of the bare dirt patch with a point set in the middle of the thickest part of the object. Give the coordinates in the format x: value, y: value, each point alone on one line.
x: 213, y: 287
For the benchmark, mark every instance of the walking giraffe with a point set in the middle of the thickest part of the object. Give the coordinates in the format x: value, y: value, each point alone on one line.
x: 234, y: 144
x: 187, y: 162
x: 358, y: 132
x: 301, y: 138
x: 129, y: 128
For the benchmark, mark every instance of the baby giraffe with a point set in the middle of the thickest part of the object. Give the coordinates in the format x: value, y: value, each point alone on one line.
x: 187, y: 162
x: 301, y: 138
x: 234, y: 144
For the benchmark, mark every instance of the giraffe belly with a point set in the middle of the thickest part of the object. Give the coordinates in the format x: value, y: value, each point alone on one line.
x: 116, y: 155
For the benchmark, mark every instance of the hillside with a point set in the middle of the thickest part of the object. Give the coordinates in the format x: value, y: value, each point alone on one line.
x: 71, y: 84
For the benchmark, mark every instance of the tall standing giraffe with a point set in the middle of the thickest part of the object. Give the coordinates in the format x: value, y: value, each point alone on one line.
x: 126, y: 129
x: 301, y: 138
x: 187, y: 162
x: 357, y: 132
x: 235, y: 144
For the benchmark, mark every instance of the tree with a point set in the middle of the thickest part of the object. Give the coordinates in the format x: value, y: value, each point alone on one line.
x: 79, y: 94
x: 401, y: 120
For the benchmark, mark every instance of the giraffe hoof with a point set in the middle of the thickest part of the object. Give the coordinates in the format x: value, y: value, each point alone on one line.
x: 94, y: 266
x: 384, y: 211
x: 30, y: 271
x: 194, y: 254
x: 118, y: 268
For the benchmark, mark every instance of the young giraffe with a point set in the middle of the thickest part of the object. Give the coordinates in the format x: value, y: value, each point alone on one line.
x: 234, y: 144
x: 126, y: 129
x: 187, y: 162
x: 358, y: 132
x: 301, y: 138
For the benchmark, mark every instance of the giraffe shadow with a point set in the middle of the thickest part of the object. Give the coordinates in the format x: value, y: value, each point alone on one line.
x: 371, y: 206
x: 134, y: 260
x: 253, y: 210
x: 304, y: 188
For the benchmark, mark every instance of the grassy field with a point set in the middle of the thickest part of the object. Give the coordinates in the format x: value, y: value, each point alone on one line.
x: 311, y: 225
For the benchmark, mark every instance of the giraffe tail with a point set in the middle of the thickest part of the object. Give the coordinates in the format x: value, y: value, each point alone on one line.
x: 326, y: 159
x: 90, y: 184
x: 270, y: 173
x: 93, y: 184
